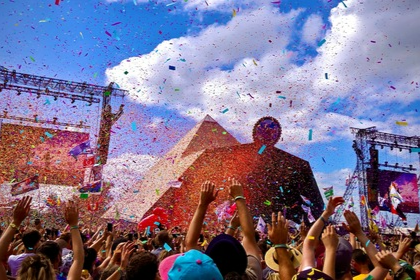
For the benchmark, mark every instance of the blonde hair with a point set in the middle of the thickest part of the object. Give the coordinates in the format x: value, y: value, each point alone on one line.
x: 36, y: 267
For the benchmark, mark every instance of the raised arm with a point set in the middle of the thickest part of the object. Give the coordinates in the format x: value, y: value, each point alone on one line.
x: 71, y: 215
x: 311, y: 240
x: 330, y: 240
x: 250, y: 244
x: 207, y: 196
x: 278, y: 232
x: 20, y: 212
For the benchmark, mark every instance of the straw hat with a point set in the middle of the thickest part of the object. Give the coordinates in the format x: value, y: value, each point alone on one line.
x: 271, y: 258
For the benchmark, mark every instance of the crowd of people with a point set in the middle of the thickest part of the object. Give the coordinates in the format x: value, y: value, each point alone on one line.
x: 234, y: 251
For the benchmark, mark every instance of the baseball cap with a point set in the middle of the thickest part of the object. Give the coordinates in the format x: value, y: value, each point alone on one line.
x: 194, y: 265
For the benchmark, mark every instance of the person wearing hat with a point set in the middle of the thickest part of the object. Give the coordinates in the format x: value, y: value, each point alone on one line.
x: 280, y: 257
x: 231, y: 257
x: 189, y: 266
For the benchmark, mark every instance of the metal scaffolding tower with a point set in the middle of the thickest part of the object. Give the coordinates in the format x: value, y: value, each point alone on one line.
x: 21, y: 82
x: 364, y: 145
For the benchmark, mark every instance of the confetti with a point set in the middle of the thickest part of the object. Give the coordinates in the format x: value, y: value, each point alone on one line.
x: 233, y: 13
x: 107, y: 33
x: 310, y: 237
x: 81, y: 35
x: 225, y: 110
x: 116, y: 23
x: 267, y: 202
x: 415, y: 150
x: 167, y: 247
x: 402, y: 123
x: 345, y: 6
x: 134, y: 126
x: 282, y: 97
x: 157, y: 192
x: 321, y: 42
x: 310, y: 135
x: 33, y: 59
x: 57, y: 2
x: 262, y: 149
x: 326, y: 76
x: 49, y: 135
x: 172, y: 67
x: 84, y: 195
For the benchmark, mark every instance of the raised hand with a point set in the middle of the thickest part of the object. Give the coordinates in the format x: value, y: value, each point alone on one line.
x: 387, y: 260
x: 235, y: 188
x: 353, y: 224
x: 330, y: 238
x: 71, y: 213
x: 21, y: 210
x: 127, y: 249
x: 333, y: 203
x: 207, y: 194
x: 278, y: 231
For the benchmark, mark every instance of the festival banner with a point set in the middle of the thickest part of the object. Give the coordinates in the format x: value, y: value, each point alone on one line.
x: 27, y: 185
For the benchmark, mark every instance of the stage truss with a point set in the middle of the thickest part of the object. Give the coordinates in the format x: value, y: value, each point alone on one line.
x: 57, y: 88
x: 366, y: 140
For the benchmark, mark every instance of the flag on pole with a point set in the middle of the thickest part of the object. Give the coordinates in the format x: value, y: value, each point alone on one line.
x: 328, y: 192
x: 79, y: 149
x: 307, y: 210
x: 351, y: 203
x: 261, y: 226
x: 24, y: 186
x: 306, y: 200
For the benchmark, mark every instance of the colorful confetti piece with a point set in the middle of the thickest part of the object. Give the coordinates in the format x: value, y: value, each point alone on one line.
x: 262, y: 149
x: 310, y: 135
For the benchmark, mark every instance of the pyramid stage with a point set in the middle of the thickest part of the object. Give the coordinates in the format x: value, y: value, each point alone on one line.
x: 273, y: 179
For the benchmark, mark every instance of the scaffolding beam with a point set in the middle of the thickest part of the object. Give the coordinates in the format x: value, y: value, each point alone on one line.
x: 21, y: 82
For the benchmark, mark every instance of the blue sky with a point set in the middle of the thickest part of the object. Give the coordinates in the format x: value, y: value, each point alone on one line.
x: 224, y: 53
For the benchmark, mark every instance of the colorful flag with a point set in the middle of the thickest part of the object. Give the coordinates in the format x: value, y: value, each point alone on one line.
x: 261, y: 226
x: 79, y: 149
x: 351, y: 204
x: 306, y: 200
x: 89, y: 161
x: 363, y: 200
x: 27, y: 185
x: 328, y: 192
x: 93, y: 187
x: 396, y: 198
x: 307, y: 210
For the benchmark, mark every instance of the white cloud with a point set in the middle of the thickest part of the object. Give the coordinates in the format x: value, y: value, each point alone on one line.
x: 253, y: 46
x: 312, y: 30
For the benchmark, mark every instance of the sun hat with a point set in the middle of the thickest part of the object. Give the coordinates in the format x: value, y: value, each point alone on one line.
x: 271, y: 258
x: 194, y: 265
x: 228, y: 254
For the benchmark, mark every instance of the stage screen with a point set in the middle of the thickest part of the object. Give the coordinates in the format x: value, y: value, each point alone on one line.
x: 405, y: 184
x: 27, y: 150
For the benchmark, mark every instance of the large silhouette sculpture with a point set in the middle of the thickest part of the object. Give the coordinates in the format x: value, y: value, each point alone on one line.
x: 274, y: 180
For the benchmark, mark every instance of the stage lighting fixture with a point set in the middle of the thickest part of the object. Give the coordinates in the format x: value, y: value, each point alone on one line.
x: 38, y: 95
x: 396, y: 165
x: 400, y: 149
x: 386, y: 163
x: 392, y: 147
x: 55, y: 98
x: 411, y: 166
x: 19, y: 92
x: 72, y: 101
x: 382, y: 147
